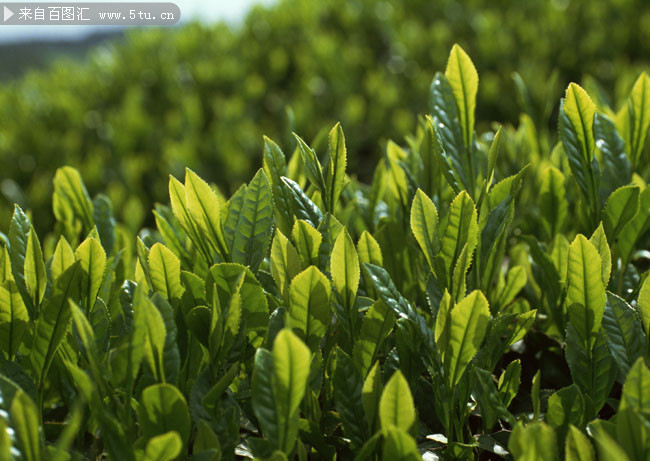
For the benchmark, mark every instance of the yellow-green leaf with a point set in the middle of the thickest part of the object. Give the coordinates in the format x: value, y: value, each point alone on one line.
x: 396, y: 406
x: 463, y: 79
x: 580, y: 110
x: 35, y: 278
x: 424, y: 225
x: 285, y: 263
x: 93, y: 263
x: 205, y: 209
x: 13, y: 318
x: 345, y: 269
x: 585, y: 288
x: 468, y: 325
x: 165, y: 270
x: 62, y: 259
x: 309, y: 306
x: 599, y: 240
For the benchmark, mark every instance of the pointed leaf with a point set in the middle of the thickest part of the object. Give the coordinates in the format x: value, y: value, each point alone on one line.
x: 396, y: 405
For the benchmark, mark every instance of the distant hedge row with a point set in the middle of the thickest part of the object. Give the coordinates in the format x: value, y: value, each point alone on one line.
x: 201, y: 96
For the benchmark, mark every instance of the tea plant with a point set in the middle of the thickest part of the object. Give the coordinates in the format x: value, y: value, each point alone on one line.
x: 449, y: 309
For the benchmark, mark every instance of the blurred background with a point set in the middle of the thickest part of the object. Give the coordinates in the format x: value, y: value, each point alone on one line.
x: 129, y: 107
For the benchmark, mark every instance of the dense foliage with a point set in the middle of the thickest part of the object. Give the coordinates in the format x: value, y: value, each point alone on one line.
x: 481, y: 297
x: 203, y: 96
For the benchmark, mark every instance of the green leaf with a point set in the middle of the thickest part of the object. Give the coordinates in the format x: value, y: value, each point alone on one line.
x: 308, y: 241
x: 578, y: 447
x: 576, y: 120
x: 69, y: 186
x: 53, y: 322
x: 279, y: 384
x: 488, y: 399
x: 149, y: 319
x: 593, y: 370
x: 13, y: 318
x: 586, y: 292
x: 599, y: 240
x: 285, y: 263
x: 493, y: 154
x: 313, y: 169
x: 621, y: 207
x: 375, y: 327
x: 424, y: 225
x: 345, y: 272
x: 249, y: 224
x: 534, y: 394
x: 534, y: 442
x: 25, y: 421
x: 206, y: 439
x: 203, y: 208
x: 348, y: 384
x: 335, y: 178
x: 227, y: 279
x: 180, y: 207
x: 275, y: 167
x: 93, y: 263
x: 643, y: 305
x: 638, y: 107
x: 371, y: 395
x: 439, y: 154
x: 509, y: 381
x: 632, y: 433
x: 62, y: 259
x: 463, y: 79
x: 309, y: 306
x: 462, y: 229
x: 165, y: 269
x: 398, y: 444
x: 636, y: 390
x: 369, y: 251
x: 396, y: 408
x: 607, y: 445
x: 565, y: 407
x: 449, y: 135
x: 469, y: 322
x: 615, y: 164
x: 104, y: 221
x: 625, y: 336
x: 635, y: 228
x: 162, y: 409
x: 35, y: 278
x: 87, y: 340
x: 580, y: 110
x: 303, y: 207
x: 164, y: 447
x: 19, y: 230
x: 553, y: 204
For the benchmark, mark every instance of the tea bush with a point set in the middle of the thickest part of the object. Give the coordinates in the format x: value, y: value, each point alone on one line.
x: 481, y: 297
x: 203, y: 96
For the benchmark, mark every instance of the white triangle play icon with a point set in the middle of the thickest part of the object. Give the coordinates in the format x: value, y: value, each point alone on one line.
x: 7, y: 13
